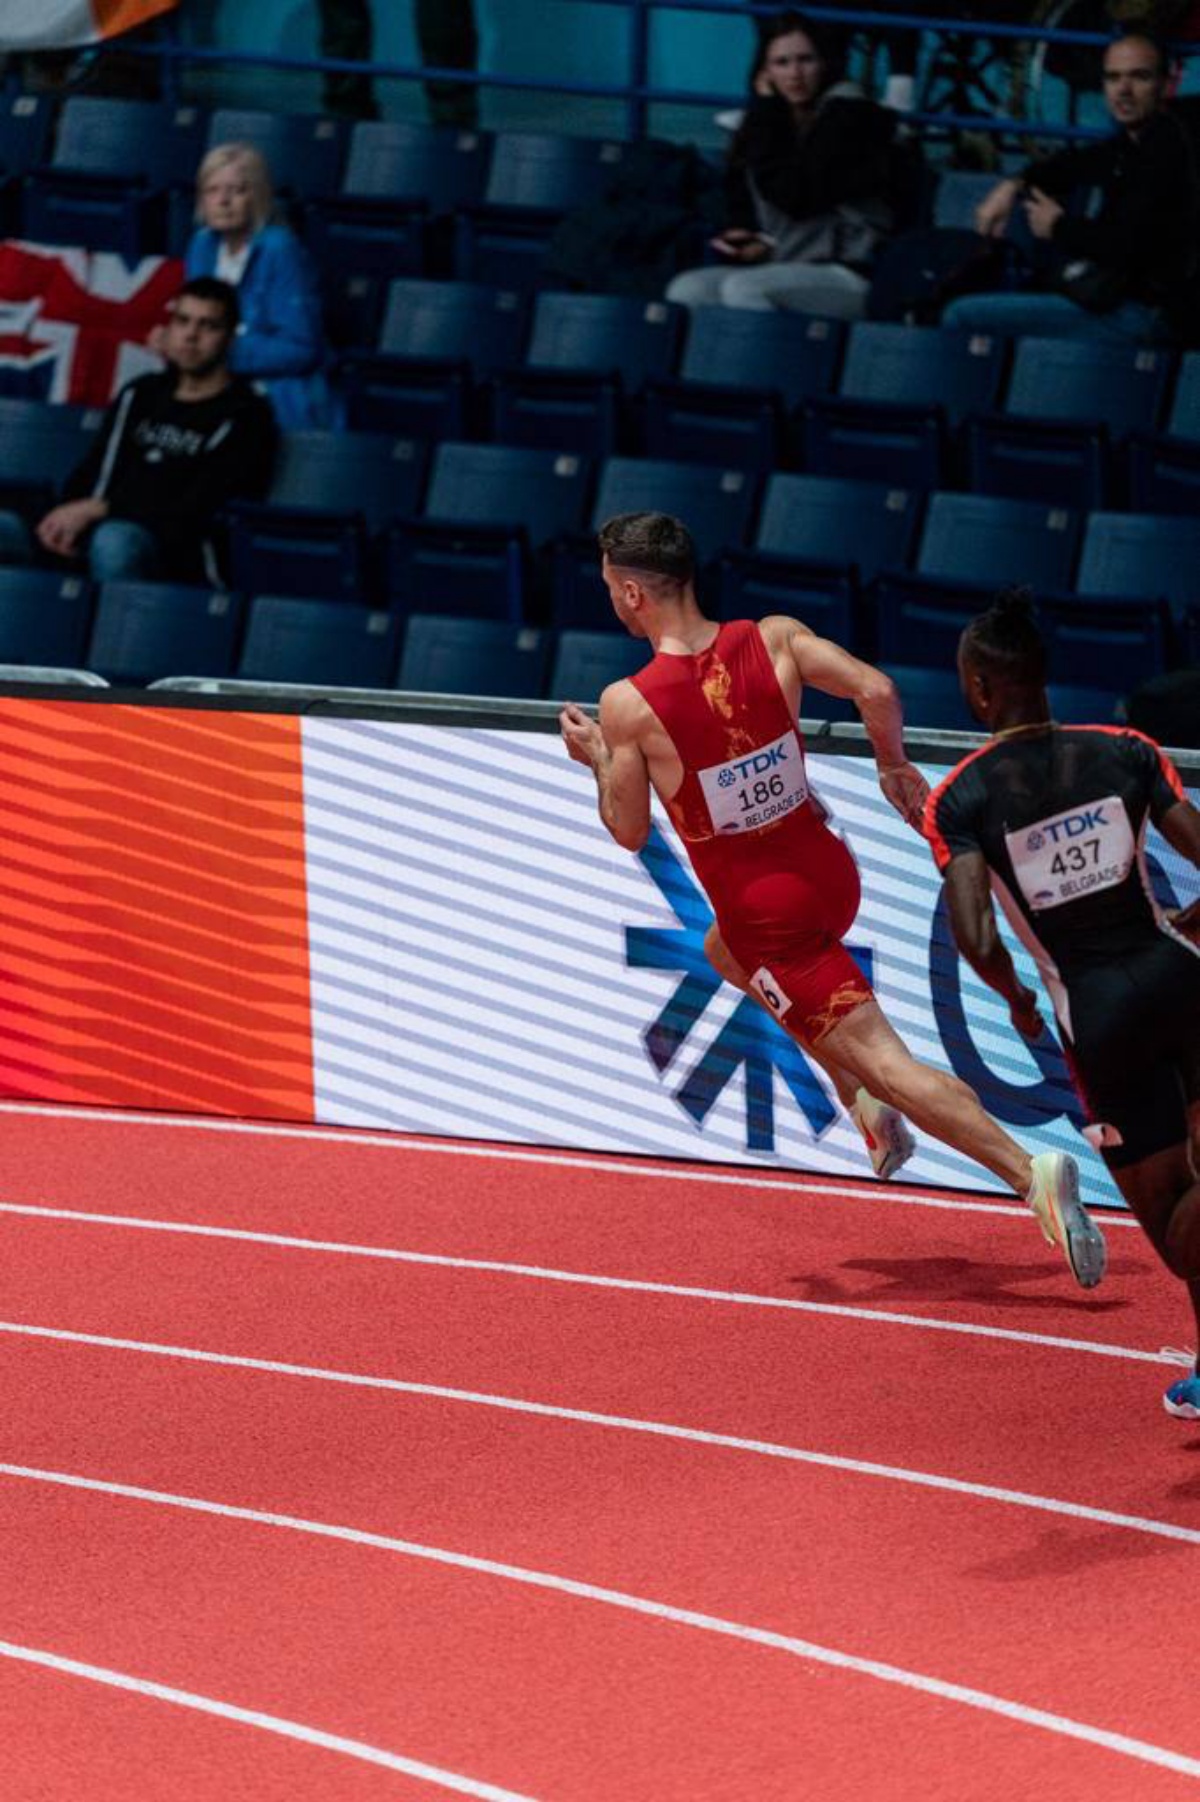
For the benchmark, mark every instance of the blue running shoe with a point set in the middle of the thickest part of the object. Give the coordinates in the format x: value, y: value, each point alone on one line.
x: 1183, y: 1398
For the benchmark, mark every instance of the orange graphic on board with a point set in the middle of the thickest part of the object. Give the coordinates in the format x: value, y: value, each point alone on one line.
x: 154, y: 936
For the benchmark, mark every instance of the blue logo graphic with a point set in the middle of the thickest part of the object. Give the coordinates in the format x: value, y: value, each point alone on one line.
x: 750, y: 1039
x: 727, y: 779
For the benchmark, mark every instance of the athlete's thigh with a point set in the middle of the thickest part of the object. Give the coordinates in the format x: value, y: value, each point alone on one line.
x: 1153, y: 1186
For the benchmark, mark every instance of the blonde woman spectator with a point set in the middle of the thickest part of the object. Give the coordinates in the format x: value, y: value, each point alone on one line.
x: 280, y: 343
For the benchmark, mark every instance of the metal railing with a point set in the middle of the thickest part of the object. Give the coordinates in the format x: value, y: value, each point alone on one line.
x: 638, y: 92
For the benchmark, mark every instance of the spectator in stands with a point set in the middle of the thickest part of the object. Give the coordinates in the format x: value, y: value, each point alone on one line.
x: 281, y: 341
x: 347, y: 36
x: 173, y: 449
x: 449, y: 39
x: 1116, y: 268
x: 808, y: 184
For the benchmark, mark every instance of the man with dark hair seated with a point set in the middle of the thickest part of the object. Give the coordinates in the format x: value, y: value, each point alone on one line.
x: 173, y: 449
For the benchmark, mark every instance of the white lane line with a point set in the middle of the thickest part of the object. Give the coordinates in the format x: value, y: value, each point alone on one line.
x: 542, y: 1273
x: 1142, y: 1750
x: 269, y: 1723
x: 808, y: 1188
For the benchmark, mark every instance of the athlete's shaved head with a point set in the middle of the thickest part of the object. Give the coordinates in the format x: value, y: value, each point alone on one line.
x: 650, y: 544
x: 1005, y: 643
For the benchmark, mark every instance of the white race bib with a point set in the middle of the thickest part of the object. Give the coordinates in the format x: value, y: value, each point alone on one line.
x: 758, y: 789
x: 1070, y: 854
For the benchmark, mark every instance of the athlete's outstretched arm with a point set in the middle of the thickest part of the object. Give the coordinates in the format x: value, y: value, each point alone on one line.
x: 1181, y: 829
x: 611, y: 751
x: 835, y: 672
x: 973, y: 923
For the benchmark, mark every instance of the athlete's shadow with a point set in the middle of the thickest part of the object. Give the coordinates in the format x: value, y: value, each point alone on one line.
x: 1065, y: 1552
x: 961, y: 1279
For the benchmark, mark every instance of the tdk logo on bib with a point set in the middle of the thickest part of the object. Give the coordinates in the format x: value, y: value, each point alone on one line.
x: 1068, y: 826
x: 758, y: 765
x: 746, y: 793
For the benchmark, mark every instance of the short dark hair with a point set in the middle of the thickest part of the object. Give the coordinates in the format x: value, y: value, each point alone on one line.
x: 224, y: 294
x: 1141, y: 35
x: 1005, y: 641
x: 654, y: 543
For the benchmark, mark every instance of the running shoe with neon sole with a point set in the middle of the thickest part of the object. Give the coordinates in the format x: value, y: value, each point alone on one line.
x: 1065, y: 1222
x: 885, y: 1133
x: 1183, y: 1398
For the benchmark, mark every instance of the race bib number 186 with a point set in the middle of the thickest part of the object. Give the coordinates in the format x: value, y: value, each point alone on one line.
x: 755, y: 790
x: 1067, y: 855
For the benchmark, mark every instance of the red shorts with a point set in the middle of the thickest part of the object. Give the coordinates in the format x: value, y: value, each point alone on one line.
x: 785, y: 927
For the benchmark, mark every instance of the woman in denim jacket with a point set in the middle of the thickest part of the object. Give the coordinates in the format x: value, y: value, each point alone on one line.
x: 281, y: 342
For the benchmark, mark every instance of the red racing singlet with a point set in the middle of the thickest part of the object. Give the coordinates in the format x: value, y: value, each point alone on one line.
x: 783, y: 887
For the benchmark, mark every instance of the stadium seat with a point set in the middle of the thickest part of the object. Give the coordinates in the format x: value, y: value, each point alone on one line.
x: 751, y: 585
x: 736, y: 428
x: 866, y: 525
x: 551, y: 409
x: 40, y: 445
x: 1033, y: 459
x: 1072, y: 705
x: 534, y: 178
x: 498, y: 484
x: 26, y: 123
x: 353, y: 305
x: 303, y: 152
x: 639, y: 339
x: 1068, y: 379
x: 916, y: 366
x: 1141, y: 554
x: 979, y: 538
x: 793, y: 355
x: 393, y: 160
x: 931, y: 698
x: 1105, y: 643
x: 959, y: 192
x: 456, y: 322
x: 323, y: 555
x: 374, y: 474
x: 45, y: 617
x: 586, y: 662
x: 472, y: 571
x: 139, y: 140
x: 871, y: 441
x: 1164, y: 475
x: 405, y: 397
x: 446, y: 655
x: 1183, y: 421
x: 717, y: 505
x: 919, y: 618
x: 93, y: 212
x: 325, y: 644
x: 144, y: 631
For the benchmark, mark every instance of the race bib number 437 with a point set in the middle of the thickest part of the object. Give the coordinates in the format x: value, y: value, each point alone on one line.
x: 758, y: 789
x: 1067, y: 855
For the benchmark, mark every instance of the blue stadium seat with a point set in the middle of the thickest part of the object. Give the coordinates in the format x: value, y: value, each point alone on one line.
x: 751, y: 585
x: 552, y: 409
x: 790, y: 353
x: 1105, y: 643
x: 144, y: 631
x: 40, y: 444
x: 325, y: 644
x: 914, y: 366
x: 717, y: 505
x: 639, y: 339
x: 469, y: 571
x: 499, y: 484
x: 1033, y: 459
x: 959, y: 192
x: 26, y: 122
x: 353, y: 306
x: 406, y: 397
x: 919, y: 619
x: 45, y: 617
x: 1184, y: 418
x: 1122, y: 387
x: 462, y: 322
x: 323, y: 555
x: 1164, y: 475
x: 94, y: 212
x: 403, y: 160
x: 304, y: 153
x: 931, y: 698
x: 1141, y: 554
x: 867, y: 525
x: 979, y: 538
x: 534, y: 178
x: 1072, y: 705
x: 870, y: 441
x: 379, y: 476
x: 1189, y: 633
x: 380, y: 239
x: 140, y: 140
x: 736, y: 428
x: 586, y: 662
x: 446, y: 655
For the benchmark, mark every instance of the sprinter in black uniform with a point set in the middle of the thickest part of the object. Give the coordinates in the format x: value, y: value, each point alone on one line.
x: 1052, y: 820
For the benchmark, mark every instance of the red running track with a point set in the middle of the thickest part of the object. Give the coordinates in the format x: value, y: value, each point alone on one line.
x: 337, y: 1468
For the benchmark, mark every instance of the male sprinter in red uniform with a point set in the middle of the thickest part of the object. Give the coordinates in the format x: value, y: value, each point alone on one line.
x: 1053, y: 819
x: 710, y: 725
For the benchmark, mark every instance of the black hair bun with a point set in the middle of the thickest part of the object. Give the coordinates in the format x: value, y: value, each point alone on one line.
x: 1013, y: 607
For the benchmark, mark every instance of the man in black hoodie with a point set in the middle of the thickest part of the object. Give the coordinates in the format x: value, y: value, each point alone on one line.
x: 173, y: 449
x: 1118, y: 263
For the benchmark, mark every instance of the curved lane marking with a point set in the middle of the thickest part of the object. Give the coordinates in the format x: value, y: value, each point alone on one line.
x: 1141, y: 1750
